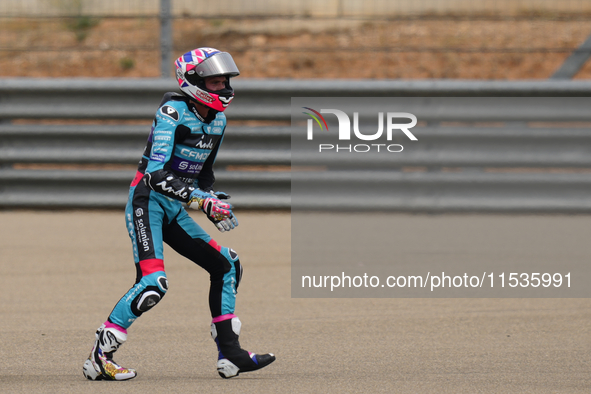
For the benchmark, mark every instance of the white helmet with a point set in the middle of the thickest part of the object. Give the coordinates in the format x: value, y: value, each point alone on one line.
x: 193, y: 67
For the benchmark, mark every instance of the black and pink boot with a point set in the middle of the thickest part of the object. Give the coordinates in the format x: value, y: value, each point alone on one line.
x: 232, y: 359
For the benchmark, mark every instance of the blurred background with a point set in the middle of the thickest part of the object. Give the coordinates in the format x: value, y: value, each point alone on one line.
x: 501, y: 90
x: 80, y: 81
x: 408, y: 39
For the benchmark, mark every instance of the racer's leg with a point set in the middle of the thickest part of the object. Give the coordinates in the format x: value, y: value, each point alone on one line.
x: 225, y: 270
x: 144, y: 217
x: 223, y: 265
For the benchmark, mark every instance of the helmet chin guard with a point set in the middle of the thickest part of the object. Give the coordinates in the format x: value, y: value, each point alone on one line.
x: 193, y: 67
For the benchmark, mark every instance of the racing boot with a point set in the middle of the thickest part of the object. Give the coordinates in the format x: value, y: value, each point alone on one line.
x: 232, y: 358
x: 100, y: 364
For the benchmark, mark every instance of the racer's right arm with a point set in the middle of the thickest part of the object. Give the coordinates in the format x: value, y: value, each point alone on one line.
x: 167, y: 183
x: 167, y: 125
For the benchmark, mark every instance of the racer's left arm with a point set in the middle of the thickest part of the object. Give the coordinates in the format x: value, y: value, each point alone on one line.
x: 219, y: 212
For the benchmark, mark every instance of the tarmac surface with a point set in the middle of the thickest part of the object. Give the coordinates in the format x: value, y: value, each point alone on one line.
x: 62, y: 272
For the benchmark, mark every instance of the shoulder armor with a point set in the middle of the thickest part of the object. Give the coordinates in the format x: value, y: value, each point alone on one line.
x: 172, y: 111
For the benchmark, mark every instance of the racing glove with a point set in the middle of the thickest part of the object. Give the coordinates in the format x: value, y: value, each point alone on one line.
x: 218, y: 212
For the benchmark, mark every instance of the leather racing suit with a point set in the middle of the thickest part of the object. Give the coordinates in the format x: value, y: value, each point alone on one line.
x: 178, y: 158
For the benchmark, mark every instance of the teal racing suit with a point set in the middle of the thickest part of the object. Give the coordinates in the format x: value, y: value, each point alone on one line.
x: 178, y: 158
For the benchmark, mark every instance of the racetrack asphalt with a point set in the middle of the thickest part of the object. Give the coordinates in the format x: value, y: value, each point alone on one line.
x: 62, y: 272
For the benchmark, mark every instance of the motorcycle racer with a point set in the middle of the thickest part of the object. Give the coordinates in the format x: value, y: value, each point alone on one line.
x: 176, y: 171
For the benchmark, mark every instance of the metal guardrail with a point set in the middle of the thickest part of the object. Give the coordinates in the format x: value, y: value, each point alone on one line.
x: 509, y: 167
x: 123, y: 144
x: 513, y: 168
x: 108, y: 188
x: 264, y: 99
x: 78, y: 146
x: 474, y: 147
x: 467, y: 191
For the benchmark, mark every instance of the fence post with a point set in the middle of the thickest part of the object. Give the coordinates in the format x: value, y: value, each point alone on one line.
x: 574, y: 62
x: 165, y: 39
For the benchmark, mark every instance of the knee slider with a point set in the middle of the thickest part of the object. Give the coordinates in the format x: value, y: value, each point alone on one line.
x: 233, y: 263
x: 231, y: 258
x: 229, y: 254
x: 147, y: 300
x: 150, y: 296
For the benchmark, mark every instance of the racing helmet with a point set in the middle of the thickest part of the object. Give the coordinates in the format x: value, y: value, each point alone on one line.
x: 193, y: 67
